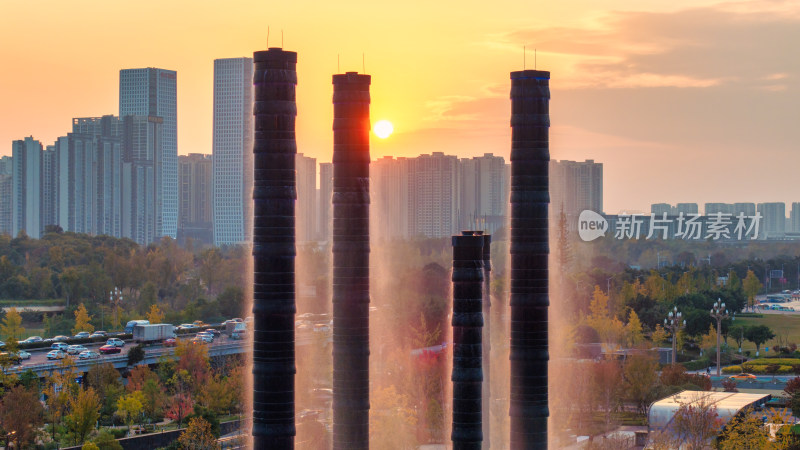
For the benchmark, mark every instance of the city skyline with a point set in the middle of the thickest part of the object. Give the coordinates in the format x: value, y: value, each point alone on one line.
x: 670, y: 114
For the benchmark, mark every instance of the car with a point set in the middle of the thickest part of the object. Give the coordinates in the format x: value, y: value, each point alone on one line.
x: 101, y: 332
x: 60, y: 338
x: 742, y: 376
x: 76, y: 349
x: 14, y: 358
x: 207, y: 337
x: 185, y: 326
x: 82, y: 334
x: 214, y: 332
x: 56, y: 354
x: 199, y: 323
x: 96, y: 335
x: 22, y: 354
x: 170, y: 342
x: 238, y: 335
x: 88, y: 354
x: 59, y: 346
x: 116, y: 342
x: 107, y: 349
x: 198, y: 340
x: 32, y: 340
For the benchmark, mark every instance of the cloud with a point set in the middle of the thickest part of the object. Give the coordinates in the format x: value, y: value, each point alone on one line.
x: 730, y: 43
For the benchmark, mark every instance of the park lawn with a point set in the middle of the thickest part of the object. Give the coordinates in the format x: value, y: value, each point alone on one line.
x: 785, y: 326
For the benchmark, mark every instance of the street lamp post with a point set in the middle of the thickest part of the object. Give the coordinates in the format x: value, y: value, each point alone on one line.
x: 719, y: 312
x: 674, y: 324
x: 115, y: 296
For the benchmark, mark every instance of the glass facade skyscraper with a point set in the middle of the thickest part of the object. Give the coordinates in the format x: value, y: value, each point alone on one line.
x: 233, y: 150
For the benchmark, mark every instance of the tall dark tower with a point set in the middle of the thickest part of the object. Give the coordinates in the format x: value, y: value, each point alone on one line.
x: 530, y: 156
x: 467, y: 377
x: 351, y: 261
x: 487, y: 340
x: 274, y: 195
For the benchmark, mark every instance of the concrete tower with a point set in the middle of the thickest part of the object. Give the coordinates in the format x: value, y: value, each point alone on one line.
x: 530, y: 157
x: 351, y: 261
x: 274, y: 195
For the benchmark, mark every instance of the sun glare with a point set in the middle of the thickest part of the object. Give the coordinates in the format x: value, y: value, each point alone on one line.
x: 382, y: 128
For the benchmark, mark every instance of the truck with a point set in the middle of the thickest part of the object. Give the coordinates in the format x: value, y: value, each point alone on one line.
x: 148, y: 333
x: 232, y: 327
x: 133, y: 323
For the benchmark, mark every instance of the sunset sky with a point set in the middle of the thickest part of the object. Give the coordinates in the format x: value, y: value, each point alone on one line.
x: 682, y: 100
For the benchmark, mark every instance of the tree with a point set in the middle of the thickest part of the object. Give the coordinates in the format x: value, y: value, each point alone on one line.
x: 758, y: 334
x: 608, y: 327
x: 696, y: 423
x: 105, y: 381
x: 155, y: 315
x: 633, y: 330
x: 105, y: 441
x: 751, y: 286
x: 737, y: 332
x: 136, y: 355
x: 744, y: 432
x: 82, y: 320
x: 137, y: 378
x: 61, y: 387
x: 198, y: 436
x: 194, y: 360
x: 70, y: 280
x: 640, y: 373
x: 180, y: 406
x: 21, y: 412
x: 709, y: 340
x: 129, y: 407
x: 792, y: 386
x: 84, y: 413
x: 660, y: 335
x: 154, y: 397
x: 90, y: 446
x: 393, y: 421
x: 607, y: 388
x: 12, y: 325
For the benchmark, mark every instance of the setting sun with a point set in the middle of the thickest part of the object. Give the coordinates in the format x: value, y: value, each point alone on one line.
x: 382, y: 128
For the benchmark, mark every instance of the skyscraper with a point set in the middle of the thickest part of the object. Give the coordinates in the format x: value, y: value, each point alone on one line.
x: 195, y: 199
x: 26, y: 187
x: 306, y: 198
x: 6, y: 194
x: 773, y: 222
x: 152, y: 92
x: 390, y: 193
x: 325, y: 193
x: 576, y: 186
x: 434, y: 196
x: 143, y: 211
x: 232, y: 150
x: 484, y: 193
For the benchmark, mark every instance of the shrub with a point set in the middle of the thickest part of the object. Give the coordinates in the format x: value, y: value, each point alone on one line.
x: 732, y: 369
x: 729, y: 385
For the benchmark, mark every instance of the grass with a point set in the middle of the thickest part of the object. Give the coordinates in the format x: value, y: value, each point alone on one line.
x: 785, y: 326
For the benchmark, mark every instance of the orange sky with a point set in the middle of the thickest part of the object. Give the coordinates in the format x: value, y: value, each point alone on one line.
x: 682, y: 101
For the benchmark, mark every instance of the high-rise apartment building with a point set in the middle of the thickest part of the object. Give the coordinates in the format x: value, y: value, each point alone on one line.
x: 49, y: 175
x: 389, y: 189
x: 434, y: 196
x: 773, y: 220
x: 325, y: 196
x: 195, y: 215
x: 143, y: 210
x: 233, y: 150
x: 659, y: 209
x: 574, y: 187
x: 794, y: 216
x: 152, y: 93
x: 748, y: 209
x: 26, y: 187
x: 484, y: 193
x: 305, y: 209
x: 6, y: 194
x: 718, y: 208
x: 686, y: 208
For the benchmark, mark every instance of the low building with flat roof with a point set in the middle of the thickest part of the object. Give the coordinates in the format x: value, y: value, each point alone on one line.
x: 728, y: 404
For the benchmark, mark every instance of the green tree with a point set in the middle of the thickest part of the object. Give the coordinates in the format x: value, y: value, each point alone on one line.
x: 640, y: 373
x: 82, y: 320
x: 751, y: 286
x: 105, y: 441
x: 12, y: 325
x: 84, y: 413
x: 758, y: 334
x: 21, y: 412
x: 737, y: 332
x: 71, y: 287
